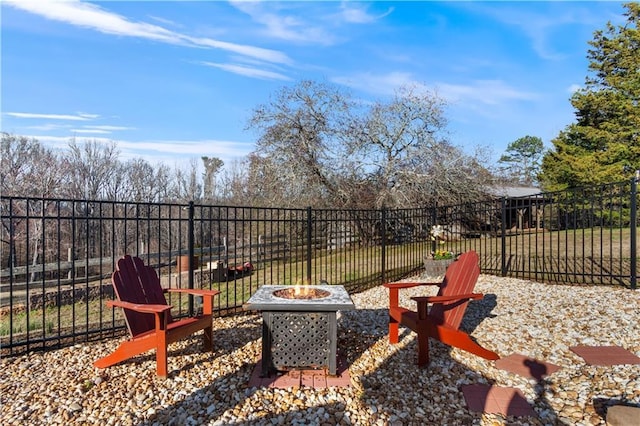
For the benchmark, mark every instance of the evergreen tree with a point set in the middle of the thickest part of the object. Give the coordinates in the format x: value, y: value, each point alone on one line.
x: 603, y: 145
x: 522, y: 159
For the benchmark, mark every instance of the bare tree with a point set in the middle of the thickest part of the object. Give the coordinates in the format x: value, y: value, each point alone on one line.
x: 299, y: 142
x: 187, y: 186
x: 396, y: 140
x: 91, y: 168
x: 143, y: 182
x: 318, y: 146
x: 212, y: 166
x: 234, y: 184
x: 28, y: 170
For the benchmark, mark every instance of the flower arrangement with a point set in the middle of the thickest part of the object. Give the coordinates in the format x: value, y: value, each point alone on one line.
x: 437, y: 236
x: 442, y: 254
x: 436, y: 233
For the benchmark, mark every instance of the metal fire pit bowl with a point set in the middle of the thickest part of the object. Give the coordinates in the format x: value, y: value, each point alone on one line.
x: 299, y: 333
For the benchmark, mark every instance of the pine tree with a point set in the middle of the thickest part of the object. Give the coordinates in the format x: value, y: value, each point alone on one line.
x: 603, y: 145
x: 522, y: 159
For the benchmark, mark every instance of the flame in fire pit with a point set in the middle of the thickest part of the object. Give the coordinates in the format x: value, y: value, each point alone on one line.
x: 301, y: 292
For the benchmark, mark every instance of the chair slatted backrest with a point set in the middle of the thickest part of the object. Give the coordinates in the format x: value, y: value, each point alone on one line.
x: 460, y: 278
x: 136, y: 283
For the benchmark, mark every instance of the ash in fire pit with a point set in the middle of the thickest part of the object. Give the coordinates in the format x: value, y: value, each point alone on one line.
x: 299, y: 292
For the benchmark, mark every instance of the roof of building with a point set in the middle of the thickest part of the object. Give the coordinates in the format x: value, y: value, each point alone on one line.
x: 515, y: 191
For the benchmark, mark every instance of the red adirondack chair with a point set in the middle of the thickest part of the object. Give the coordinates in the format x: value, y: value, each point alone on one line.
x: 442, y: 321
x: 148, y: 316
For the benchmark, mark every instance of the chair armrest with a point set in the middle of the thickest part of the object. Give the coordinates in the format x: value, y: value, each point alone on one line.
x: 394, y: 289
x: 451, y: 298
x: 194, y: 291
x: 407, y: 285
x: 207, y: 297
x: 139, y: 307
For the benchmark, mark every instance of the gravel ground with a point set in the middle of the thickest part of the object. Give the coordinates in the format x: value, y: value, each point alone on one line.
x: 516, y: 316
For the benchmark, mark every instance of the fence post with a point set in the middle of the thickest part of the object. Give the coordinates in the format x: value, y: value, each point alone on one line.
x: 434, y: 222
x: 309, y: 253
x: 190, y: 240
x: 503, y: 237
x: 12, y: 261
x: 383, y: 241
x: 633, y: 228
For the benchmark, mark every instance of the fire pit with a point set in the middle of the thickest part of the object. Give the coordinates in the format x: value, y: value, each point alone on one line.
x: 299, y: 326
x: 301, y: 293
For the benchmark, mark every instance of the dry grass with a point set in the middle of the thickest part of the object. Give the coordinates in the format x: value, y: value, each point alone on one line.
x: 556, y: 256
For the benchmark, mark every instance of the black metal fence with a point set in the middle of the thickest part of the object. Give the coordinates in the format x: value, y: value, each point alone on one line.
x: 578, y: 236
x: 58, y: 255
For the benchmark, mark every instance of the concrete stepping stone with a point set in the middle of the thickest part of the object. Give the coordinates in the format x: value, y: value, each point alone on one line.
x: 623, y: 415
x: 525, y: 366
x: 497, y: 400
x: 605, y: 355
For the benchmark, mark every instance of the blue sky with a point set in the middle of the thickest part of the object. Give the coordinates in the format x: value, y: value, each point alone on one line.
x: 170, y: 81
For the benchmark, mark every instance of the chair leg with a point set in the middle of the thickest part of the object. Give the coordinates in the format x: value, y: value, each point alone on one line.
x: 161, y: 355
x: 121, y: 353
x: 125, y: 350
x: 393, y: 331
x: 462, y: 340
x: 423, y: 349
x: 207, y: 338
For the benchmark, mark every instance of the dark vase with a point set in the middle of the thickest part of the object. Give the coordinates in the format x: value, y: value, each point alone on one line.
x: 183, y: 264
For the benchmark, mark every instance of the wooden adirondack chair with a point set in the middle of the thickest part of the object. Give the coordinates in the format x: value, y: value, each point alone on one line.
x: 443, y: 320
x: 148, y: 316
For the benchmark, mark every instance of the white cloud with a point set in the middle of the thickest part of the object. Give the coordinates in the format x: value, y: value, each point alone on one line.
x: 267, y: 55
x: 285, y: 27
x: 380, y: 84
x: 212, y: 147
x: 91, y: 16
x: 47, y: 127
x: 157, y: 151
x: 164, y: 21
x: 93, y: 131
x: 100, y: 130
x: 308, y: 27
x: 356, y: 13
x: 248, y: 71
x: 542, y: 28
x: 61, y: 127
x: 171, y: 151
x: 112, y: 128
x: 87, y: 115
x: 55, y: 142
x: 488, y: 92
x: 77, y: 117
x: 476, y: 95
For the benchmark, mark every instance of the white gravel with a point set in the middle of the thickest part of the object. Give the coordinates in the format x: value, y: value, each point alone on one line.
x: 538, y: 320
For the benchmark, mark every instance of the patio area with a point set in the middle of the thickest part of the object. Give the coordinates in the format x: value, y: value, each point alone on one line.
x: 526, y: 323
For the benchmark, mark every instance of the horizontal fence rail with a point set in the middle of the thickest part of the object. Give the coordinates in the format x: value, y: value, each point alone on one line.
x: 58, y: 254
